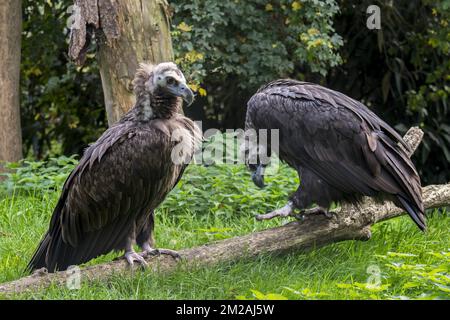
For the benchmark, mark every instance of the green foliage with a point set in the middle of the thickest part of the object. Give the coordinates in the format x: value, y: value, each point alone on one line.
x: 62, y: 105
x: 35, y: 176
x: 232, y: 189
x: 403, y: 72
x: 409, y: 263
x: 403, y: 276
x: 414, y: 280
x: 418, y: 280
x: 254, y: 41
x: 427, y: 97
x: 230, y: 48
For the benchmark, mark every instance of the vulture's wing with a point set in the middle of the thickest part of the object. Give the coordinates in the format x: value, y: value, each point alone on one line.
x: 339, y: 139
x: 126, y: 171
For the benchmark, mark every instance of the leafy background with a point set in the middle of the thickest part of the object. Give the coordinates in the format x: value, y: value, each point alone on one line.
x: 229, y: 48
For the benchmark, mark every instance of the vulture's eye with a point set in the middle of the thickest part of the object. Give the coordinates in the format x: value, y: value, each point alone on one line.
x: 170, y: 80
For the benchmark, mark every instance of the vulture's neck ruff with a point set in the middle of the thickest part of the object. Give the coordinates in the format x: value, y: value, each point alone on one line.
x: 152, y: 106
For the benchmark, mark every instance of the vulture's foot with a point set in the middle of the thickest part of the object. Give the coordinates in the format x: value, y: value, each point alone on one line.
x: 40, y: 272
x: 314, y: 211
x: 287, y: 210
x: 148, y: 251
x: 133, y: 257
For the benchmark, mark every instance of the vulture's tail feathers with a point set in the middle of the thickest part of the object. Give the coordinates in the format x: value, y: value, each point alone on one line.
x: 39, y: 258
x: 52, y: 253
x: 414, y: 213
x: 400, y: 166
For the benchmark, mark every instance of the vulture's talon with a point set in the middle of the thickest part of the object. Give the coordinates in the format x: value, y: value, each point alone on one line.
x: 287, y: 210
x: 158, y: 252
x: 260, y: 217
x: 299, y: 217
x: 329, y: 214
x: 40, y: 272
x: 175, y: 255
x: 317, y: 211
x: 132, y: 257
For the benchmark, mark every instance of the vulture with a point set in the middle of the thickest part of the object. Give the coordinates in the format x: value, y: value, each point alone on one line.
x: 107, y: 203
x: 340, y: 149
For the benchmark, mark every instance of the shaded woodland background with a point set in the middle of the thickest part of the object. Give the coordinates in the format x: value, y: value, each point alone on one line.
x: 229, y: 48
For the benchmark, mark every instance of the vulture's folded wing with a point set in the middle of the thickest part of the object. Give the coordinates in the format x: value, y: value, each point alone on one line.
x: 337, y: 138
x: 125, y: 172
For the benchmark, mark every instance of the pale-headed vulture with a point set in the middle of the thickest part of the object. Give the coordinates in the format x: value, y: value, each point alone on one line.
x: 107, y: 203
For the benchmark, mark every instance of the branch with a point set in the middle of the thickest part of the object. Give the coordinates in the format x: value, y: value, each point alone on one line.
x: 351, y: 223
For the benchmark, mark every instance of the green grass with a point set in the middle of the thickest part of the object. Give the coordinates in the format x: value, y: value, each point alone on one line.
x: 219, y: 202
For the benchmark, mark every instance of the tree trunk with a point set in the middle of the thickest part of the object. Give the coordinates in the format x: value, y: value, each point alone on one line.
x: 127, y: 33
x: 10, y: 41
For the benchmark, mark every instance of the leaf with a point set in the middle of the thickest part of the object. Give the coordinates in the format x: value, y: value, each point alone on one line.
x: 443, y: 287
x: 275, y: 296
x: 296, y: 5
x: 269, y: 7
x: 184, y: 27
x: 399, y: 254
x: 344, y: 285
x: 258, y: 295
x: 437, y: 270
x: 409, y: 285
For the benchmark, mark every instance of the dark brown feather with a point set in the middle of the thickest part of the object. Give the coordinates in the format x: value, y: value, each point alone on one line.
x: 114, y: 190
x: 340, y: 148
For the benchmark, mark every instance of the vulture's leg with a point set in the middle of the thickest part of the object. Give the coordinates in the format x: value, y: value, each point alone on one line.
x: 146, y: 242
x: 149, y: 251
x: 287, y: 210
x: 313, y: 190
x: 130, y: 255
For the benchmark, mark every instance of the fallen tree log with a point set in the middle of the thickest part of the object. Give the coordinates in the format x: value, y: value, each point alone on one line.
x: 350, y: 223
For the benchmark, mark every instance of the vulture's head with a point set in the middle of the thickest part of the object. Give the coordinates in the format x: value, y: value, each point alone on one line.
x: 164, y: 79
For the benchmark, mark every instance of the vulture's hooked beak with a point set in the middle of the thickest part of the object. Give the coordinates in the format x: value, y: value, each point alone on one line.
x: 182, y: 90
x: 258, y: 176
x: 186, y: 94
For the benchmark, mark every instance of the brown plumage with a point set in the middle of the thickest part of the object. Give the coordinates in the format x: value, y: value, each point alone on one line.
x: 107, y: 202
x: 341, y: 150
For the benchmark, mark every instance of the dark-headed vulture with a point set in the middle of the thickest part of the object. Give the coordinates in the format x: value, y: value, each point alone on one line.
x: 108, y: 200
x: 341, y: 150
